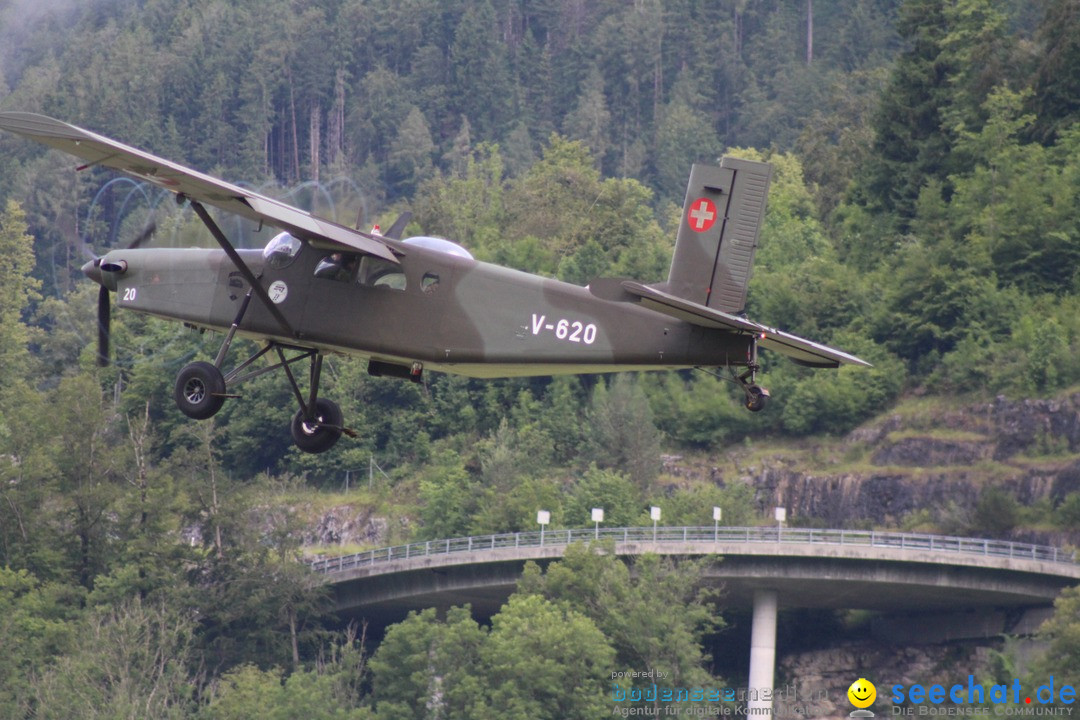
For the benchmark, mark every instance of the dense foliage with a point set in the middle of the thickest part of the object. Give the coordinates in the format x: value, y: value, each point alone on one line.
x: 923, y: 214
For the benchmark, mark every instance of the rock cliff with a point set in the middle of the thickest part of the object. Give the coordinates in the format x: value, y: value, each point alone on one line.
x: 922, y: 466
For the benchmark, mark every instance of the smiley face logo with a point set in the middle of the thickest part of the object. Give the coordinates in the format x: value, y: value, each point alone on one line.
x: 862, y: 693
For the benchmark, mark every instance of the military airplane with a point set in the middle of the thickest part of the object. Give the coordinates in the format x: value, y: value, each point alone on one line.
x: 424, y: 303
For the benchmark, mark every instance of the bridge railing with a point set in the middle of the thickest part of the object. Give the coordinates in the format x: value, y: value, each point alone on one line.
x: 705, y: 534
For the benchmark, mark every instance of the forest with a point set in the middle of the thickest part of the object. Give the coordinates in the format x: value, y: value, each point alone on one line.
x: 924, y: 214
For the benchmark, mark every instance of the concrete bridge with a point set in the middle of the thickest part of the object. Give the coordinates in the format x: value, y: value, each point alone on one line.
x: 763, y: 568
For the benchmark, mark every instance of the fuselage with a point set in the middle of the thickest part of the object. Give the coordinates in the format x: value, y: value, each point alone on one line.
x: 450, y: 313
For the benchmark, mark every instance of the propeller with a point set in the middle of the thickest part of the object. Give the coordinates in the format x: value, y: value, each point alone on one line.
x: 104, y: 313
x: 94, y: 270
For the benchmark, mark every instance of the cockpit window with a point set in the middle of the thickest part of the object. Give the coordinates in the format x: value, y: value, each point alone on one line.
x: 337, y: 266
x: 377, y: 272
x: 281, y: 251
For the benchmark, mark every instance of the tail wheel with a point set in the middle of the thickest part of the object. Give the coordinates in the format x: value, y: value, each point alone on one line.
x: 320, y: 432
x: 756, y: 398
x: 199, y: 390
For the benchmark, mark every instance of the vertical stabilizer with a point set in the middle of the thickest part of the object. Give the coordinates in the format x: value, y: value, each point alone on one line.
x: 722, y: 217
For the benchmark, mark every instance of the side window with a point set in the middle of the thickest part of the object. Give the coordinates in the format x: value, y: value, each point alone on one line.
x: 376, y: 272
x: 337, y: 266
x: 429, y: 283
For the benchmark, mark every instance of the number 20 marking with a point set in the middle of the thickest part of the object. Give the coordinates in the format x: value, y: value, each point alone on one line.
x: 129, y: 294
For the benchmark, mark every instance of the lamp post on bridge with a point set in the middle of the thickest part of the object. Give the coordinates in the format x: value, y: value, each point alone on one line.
x: 654, y: 513
x: 597, y: 518
x: 781, y: 517
x: 717, y: 514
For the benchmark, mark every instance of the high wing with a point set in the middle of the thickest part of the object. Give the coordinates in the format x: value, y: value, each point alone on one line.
x: 801, y: 350
x: 99, y: 150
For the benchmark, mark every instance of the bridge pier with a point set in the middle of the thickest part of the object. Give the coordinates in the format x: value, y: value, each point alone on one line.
x: 762, y: 653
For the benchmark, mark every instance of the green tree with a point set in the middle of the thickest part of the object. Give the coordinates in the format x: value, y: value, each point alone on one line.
x: 1062, y: 633
x: 466, y: 206
x: 623, y: 436
x: 654, y: 613
x: 425, y: 667
x: 449, y: 497
x: 1010, y: 203
x: 512, y: 461
x: 18, y: 290
x: 996, y: 513
x: 692, y: 506
x: 1056, y: 97
x: 248, y: 692
x: 39, y: 623
x: 590, y: 120
x: 910, y: 143
x: 410, y: 160
x: 479, y: 71
x: 839, y: 401
x: 620, y: 499
x: 545, y: 660
x: 684, y: 136
x: 129, y: 661
x: 91, y: 464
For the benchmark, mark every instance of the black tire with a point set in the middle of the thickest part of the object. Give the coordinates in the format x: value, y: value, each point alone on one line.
x: 321, y: 435
x: 756, y: 398
x: 200, y: 390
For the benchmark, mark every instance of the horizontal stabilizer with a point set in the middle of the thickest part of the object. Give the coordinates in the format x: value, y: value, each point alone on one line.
x: 802, y: 351
x: 99, y: 150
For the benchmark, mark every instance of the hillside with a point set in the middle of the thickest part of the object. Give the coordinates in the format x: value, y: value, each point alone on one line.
x: 1001, y: 468
x: 996, y: 468
x: 923, y: 215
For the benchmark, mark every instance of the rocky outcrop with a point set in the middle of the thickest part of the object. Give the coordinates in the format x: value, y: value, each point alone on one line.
x: 936, y: 463
x: 933, y: 452
x: 820, y: 678
x: 1019, y: 426
x: 347, y: 525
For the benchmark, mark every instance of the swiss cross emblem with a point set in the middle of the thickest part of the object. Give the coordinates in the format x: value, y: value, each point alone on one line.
x: 702, y: 215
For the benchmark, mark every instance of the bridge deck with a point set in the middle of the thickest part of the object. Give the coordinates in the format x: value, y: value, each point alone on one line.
x: 808, y: 567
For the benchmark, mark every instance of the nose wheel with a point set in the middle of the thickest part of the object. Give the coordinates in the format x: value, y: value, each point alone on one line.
x: 199, y: 390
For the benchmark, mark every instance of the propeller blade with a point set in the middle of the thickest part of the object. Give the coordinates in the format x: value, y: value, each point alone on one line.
x: 87, y: 249
x: 104, y: 312
x: 145, y: 235
x: 399, y: 225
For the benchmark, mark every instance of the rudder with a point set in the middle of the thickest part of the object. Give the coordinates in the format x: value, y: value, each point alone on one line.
x: 722, y: 217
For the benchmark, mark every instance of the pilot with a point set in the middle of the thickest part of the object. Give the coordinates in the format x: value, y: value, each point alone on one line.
x: 336, y: 266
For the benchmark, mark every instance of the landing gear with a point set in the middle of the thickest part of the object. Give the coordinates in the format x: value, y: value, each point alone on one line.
x: 318, y: 424
x: 200, y: 390
x: 756, y: 396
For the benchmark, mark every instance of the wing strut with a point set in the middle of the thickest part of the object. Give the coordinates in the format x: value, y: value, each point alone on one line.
x: 253, y: 281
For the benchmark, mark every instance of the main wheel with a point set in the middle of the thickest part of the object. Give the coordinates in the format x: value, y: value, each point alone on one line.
x: 756, y: 397
x: 200, y: 390
x: 319, y: 434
